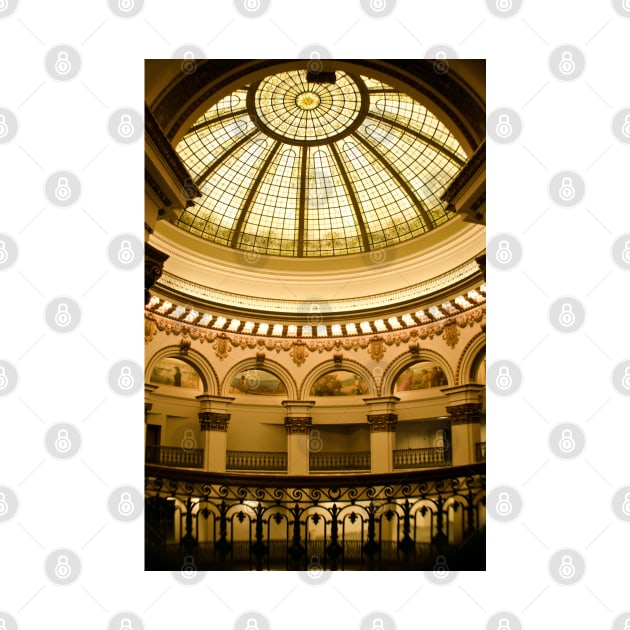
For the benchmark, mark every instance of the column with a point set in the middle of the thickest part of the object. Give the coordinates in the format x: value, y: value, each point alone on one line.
x: 298, y: 423
x: 382, y: 421
x: 464, y: 408
x: 214, y: 420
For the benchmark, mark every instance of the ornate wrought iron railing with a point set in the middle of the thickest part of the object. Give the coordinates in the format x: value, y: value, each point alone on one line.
x: 256, y: 460
x: 339, y: 461
x: 422, y: 457
x: 174, y: 456
x: 412, y: 520
x: 480, y: 452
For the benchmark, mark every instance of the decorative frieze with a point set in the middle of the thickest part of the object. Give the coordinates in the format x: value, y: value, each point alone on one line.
x: 298, y: 353
x: 212, y: 421
x: 300, y: 348
x: 376, y: 348
x: 451, y: 334
x: 298, y: 424
x: 382, y: 422
x: 467, y: 413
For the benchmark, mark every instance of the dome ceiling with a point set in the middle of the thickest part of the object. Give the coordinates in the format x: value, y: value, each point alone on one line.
x: 288, y: 167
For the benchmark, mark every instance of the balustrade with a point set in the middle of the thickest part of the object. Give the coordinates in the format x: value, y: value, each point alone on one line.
x: 421, y: 457
x: 339, y: 461
x: 256, y: 460
x: 173, y: 456
x: 394, y: 521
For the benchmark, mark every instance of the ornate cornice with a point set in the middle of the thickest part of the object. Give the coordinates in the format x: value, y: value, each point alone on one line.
x: 462, y: 178
x: 301, y: 346
x: 154, y: 261
x: 157, y: 189
x: 467, y: 413
x: 211, y: 421
x: 382, y: 422
x: 298, y: 424
x: 409, y: 296
x: 156, y: 135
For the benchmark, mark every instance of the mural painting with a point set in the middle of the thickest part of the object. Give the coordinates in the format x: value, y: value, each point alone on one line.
x: 257, y: 383
x: 422, y: 375
x: 339, y: 383
x: 176, y: 373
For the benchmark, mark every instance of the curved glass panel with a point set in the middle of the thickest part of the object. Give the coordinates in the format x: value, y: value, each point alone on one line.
x: 289, y: 167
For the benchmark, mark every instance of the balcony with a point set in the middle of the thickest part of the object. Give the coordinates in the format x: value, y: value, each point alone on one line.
x: 328, y: 462
x: 173, y: 456
x: 421, y: 458
x: 256, y: 460
x: 397, y: 521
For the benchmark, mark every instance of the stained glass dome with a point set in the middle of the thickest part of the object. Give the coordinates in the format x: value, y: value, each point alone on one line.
x: 290, y: 167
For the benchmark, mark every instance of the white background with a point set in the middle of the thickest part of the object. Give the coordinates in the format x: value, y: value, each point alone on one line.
x: 63, y: 125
